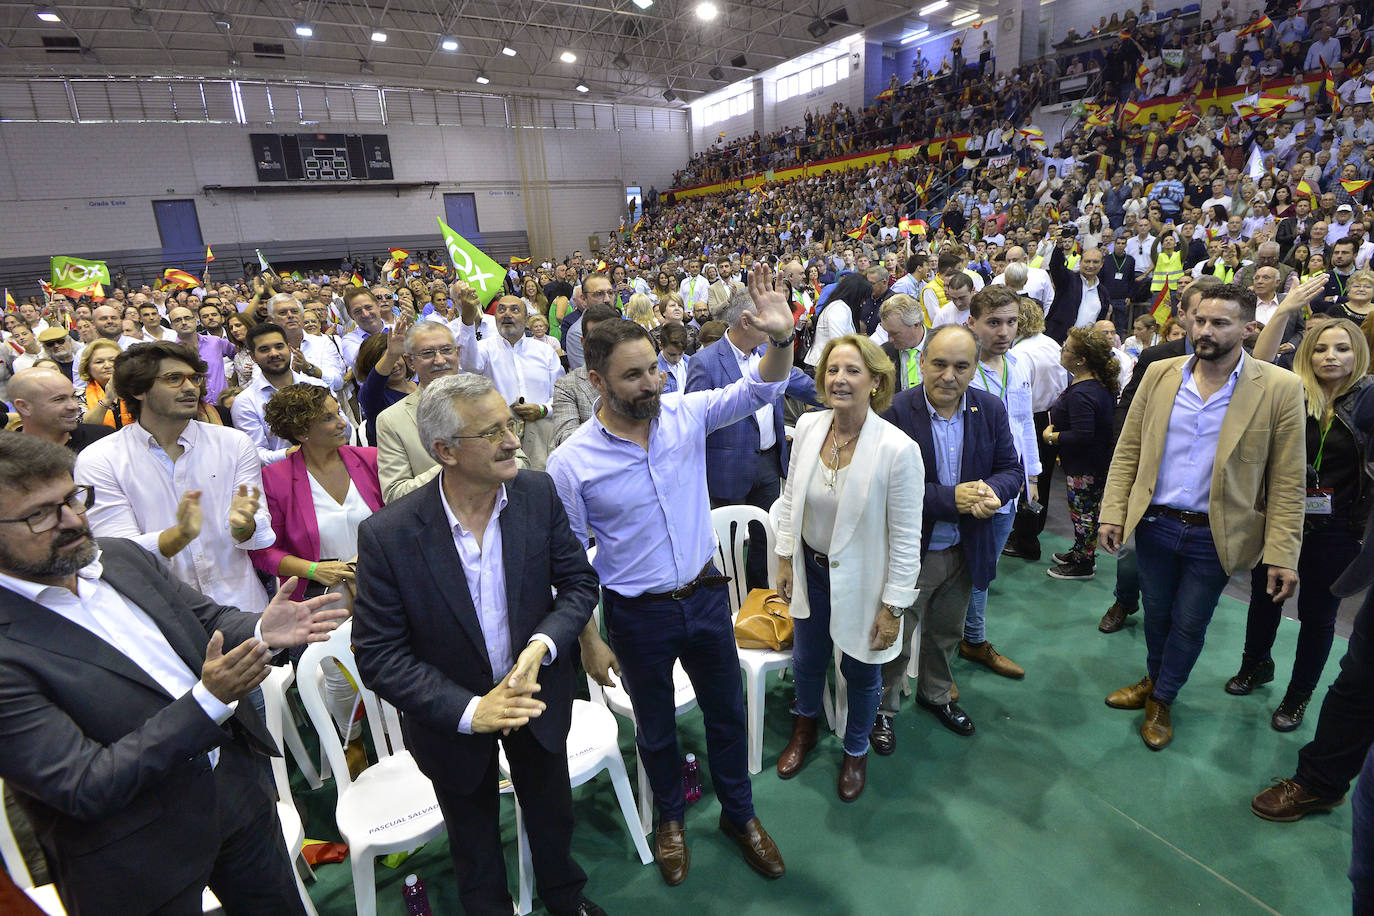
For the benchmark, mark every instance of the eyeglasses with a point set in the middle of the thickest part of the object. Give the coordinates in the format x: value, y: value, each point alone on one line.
x: 45, y: 518
x: 177, y: 379
x: 497, y: 435
x: 428, y: 355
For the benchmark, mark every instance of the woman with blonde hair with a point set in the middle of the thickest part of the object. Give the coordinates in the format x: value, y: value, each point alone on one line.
x: 852, y: 508
x: 1333, y: 362
x: 96, y: 368
x: 640, y: 310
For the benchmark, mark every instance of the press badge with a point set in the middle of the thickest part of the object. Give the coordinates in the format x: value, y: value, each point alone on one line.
x: 1318, y: 501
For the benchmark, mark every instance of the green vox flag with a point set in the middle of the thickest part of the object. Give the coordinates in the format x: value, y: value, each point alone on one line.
x: 78, y: 273
x: 262, y: 262
x: 482, y: 273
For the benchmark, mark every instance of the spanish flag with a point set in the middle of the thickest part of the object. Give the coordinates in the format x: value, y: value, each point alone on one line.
x: 399, y: 254
x: 1102, y: 117
x: 601, y: 267
x: 1160, y: 308
x: 1305, y: 190
x: 1128, y: 113
x: 1181, y: 121
x: 1333, y: 97
x: 179, y: 279
x: 209, y: 255
x: 1227, y: 138
x: 1141, y: 71
x: 519, y: 262
x: 1021, y: 172
x: 858, y: 232
x: 639, y: 224
x: 1355, y: 187
x: 1055, y: 215
x: 1261, y: 24
x: 886, y: 94
x: 356, y: 279
x: 9, y: 301
x: 439, y: 268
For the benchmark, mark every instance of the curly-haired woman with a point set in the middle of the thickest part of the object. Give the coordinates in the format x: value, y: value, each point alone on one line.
x: 1081, y: 427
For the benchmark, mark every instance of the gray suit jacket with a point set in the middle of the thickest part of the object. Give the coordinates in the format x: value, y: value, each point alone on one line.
x: 574, y: 400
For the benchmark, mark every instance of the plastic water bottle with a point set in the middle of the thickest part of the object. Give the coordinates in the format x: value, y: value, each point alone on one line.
x: 691, y: 779
x: 417, y: 901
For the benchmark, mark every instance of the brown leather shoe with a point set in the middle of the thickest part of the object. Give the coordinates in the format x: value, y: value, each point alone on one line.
x: 1157, y: 731
x: 984, y: 654
x: 803, y: 740
x: 853, y: 775
x: 1286, y: 801
x: 671, y: 853
x: 1115, y: 618
x: 758, y: 847
x: 1132, y: 697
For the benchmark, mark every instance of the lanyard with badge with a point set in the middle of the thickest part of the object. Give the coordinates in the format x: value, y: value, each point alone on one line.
x: 987, y: 385
x: 1318, y: 501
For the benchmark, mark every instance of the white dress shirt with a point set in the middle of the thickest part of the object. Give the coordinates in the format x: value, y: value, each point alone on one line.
x: 137, y: 489
x: 321, y: 353
x: 1014, y: 390
x: 1038, y: 286
x: 767, y: 435
x: 101, y: 610
x: 524, y: 370
x: 1090, y: 306
x: 1048, y: 378
x: 249, y: 413
x: 693, y: 290
x: 485, y: 571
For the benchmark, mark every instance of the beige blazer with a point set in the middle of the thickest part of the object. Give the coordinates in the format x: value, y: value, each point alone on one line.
x: 875, y: 548
x: 402, y: 462
x: 1258, y: 478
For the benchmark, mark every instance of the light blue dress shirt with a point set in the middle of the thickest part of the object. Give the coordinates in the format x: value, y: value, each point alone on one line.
x: 649, y: 511
x: 948, y: 436
x: 1190, y: 445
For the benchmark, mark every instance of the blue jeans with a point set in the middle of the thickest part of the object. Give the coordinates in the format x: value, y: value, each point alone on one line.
x: 648, y: 636
x: 1127, y: 591
x: 975, y: 630
x: 1180, y: 582
x: 811, y: 651
x: 1362, y: 840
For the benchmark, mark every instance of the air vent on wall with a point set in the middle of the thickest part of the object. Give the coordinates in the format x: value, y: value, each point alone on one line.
x: 61, y: 44
x: 269, y: 51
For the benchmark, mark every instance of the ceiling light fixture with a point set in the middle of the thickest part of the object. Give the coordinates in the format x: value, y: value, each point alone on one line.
x: 222, y: 22
x: 47, y: 15
x: 644, y: 4
x: 909, y: 37
x: 304, y: 29
x: 669, y: 95
x: 568, y: 57
x: 378, y: 35
x: 582, y: 87
x: 482, y: 77
x: 508, y: 51
x: 934, y: 7
x: 706, y: 11
x: 966, y: 18
x: 448, y: 43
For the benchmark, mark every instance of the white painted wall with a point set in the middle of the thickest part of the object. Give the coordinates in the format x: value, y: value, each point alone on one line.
x: 54, y: 178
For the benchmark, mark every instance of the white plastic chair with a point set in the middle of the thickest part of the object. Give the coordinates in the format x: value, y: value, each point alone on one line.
x: 731, y: 524
x: 618, y: 700
x: 390, y: 806
x: 45, y: 895
x: 278, y: 714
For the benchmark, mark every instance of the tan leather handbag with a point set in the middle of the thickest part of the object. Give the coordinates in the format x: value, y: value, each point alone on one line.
x: 763, y: 621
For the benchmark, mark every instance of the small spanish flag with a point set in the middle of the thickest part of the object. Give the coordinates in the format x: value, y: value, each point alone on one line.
x: 1128, y: 113
x: 9, y: 301
x: 1021, y: 172
x: 179, y: 279
x: 399, y: 254
x: 1181, y: 121
x: 1141, y: 71
x: 1227, y: 138
x: 1259, y: 25
x: 858, y: 231
x: 1305, y: 190
x: 639, y: 224
x: 1055, y: 215
x: 1333, y: 97
x: 1355, y: 187
x: 209, y: 255
x: 517, y: 262
x: 1160, y: 308
x: 356, y: 279
x: 439, y: 268
x: 600, y: 267
x: 887, y: 94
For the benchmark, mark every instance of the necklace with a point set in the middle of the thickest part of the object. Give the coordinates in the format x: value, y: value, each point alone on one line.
x: 830, y: 474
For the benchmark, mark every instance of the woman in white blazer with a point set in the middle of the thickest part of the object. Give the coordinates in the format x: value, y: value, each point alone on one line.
x: 852, y: 509
x: 838, y: 315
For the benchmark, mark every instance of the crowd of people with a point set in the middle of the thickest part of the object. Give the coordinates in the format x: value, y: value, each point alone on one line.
x: 202, y: 479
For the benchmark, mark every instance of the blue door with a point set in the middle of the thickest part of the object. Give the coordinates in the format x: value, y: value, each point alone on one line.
x: 179, y: 227
x: 460, y: 212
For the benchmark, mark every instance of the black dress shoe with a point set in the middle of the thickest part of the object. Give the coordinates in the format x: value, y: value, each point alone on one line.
x: 882, y: 739
x: 1250, y: 676
x: 587, y: 908
x: 1027, y: 551
x: 950, y: 716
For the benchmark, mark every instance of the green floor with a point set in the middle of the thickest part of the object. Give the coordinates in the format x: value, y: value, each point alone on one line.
x: 1054, y: 806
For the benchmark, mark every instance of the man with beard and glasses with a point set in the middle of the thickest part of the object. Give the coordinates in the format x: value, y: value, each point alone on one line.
x: 1225, y: 436
x: 524, y: 369
x: 634, y: 478
x: 122, y: 728
x: 272, y: 354
x: 189, y: 491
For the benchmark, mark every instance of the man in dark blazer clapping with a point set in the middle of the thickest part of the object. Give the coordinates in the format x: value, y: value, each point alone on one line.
x: 123, y: 728
x: 457, y: 624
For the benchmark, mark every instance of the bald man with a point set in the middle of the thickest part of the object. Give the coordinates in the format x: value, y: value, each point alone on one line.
x: 109, y: 324
x: 49, y: 409
x: 523, y: 369
x: 1038, y: 284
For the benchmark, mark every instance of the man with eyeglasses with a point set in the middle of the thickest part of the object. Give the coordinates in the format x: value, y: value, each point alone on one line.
x: 523, y: 369
x: 216, y: 352
x: 123, y: 734
x: 311, y: 354
x: 190, y: 491
x: 266, y: 344
x: 476, y: 696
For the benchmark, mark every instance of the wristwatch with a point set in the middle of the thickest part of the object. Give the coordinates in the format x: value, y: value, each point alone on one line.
x: 894, y: 611
x: 786, y: 342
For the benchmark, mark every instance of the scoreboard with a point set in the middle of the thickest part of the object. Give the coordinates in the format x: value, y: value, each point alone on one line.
x: 322, y: 157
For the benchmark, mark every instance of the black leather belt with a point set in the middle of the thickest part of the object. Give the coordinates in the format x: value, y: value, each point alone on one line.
x: 815, y: 556
x: 704, y: 579
x: 1187, y: 517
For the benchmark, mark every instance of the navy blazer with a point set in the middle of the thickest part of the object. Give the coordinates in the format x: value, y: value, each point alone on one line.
x: 1068, y: 296
x: 989, y: 455
x: 732, y: 451
x: 417, y: 637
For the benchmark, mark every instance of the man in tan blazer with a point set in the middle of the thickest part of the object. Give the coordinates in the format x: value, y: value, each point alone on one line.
x: 1209, y: 474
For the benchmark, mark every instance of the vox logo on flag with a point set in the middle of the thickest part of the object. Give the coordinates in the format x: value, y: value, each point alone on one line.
x: 481, y: 272
x: 77, y: 273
